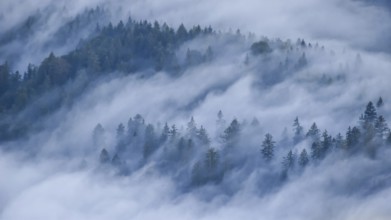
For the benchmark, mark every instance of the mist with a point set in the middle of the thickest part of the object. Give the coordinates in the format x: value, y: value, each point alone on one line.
x: 56, y: 171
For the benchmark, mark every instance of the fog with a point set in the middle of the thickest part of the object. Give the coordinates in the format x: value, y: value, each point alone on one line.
x: 57, y: 174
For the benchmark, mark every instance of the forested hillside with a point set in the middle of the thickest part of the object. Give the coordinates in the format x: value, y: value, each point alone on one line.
x: 195, y: 109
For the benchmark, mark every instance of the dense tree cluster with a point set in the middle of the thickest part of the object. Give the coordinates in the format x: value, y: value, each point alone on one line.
x: 194, y: 158
x: 125, y: 47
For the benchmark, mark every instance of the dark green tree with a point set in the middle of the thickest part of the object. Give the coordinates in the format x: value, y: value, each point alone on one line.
x: 379, y: 103
x: 231, y: 134
x: 150, y: 141
x: 261, y: 47
x: 326, y: 143
x: 339, y: 141
x: 173, y: 132
x: 191, y: 127
x: 303, y: 158
x: 255, y: 123
x: 289, y: 161
x: 220, y: 120
x: 316, y: 151
x: 313, y: 133
x: 203, y: 136
x: 381, y: 127
x: 165, y: 133
x: 369, y: 116
x: 211, y: 159
x: 268, y: 146
x: 104, y: 156
x: 120, y: 132
x: 353, y: 136
x: 297, y: 131
x: 116, y: 161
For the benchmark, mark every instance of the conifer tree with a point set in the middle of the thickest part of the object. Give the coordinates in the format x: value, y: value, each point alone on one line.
x: 165, y: 133
x: 325, y: 143
x: 104, y: 156
x: 381, y: 127
x: 303, y: 158
x: 353, y: 136
x: 379, y: 103
x: 314, y: 133
x: 203, y: 136
x: 370, y: 115
x: 289, y: 161
x: 211, y: 159
x: 268, y: 146
x: 316, y: 151
x: 297, y: 131
x: 191, y: 127
x: 231, y: 134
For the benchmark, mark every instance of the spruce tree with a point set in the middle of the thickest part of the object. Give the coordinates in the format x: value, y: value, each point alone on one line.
x: 203, y: 136
x: 381, y: 127
x: 297, y: 131
x: 314, y: 133
x: 316, y: 151
x: 379, y: 103
x: 165, y: 133
x: 289, y: 161
x: 211, y: 159
x: 104, y: 156
x: 268, y: 147
x: 231, y: 134
x: 325, y: 143
x: 303, y: 158
x: 191, y: 127
x: 369, y: 115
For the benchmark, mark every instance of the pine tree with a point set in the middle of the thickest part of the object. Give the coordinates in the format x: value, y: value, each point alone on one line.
x: 203, y: 136
x: 381, y: 127
x: 339, y: 141
x: 297, y: 130
x: 379, y: 103
x: 191, y: 127
x: 173, y: 132
x: 289, y: 161
x: 303, y: 158
x: 150, y: 141
x: 130, y: 131
x: 120, y: 132
x: 182, y: 33
x: 116, y: 161
x: 165, y: 133
x: 231, y: 134
x: 314, y: 133
x: 211, y: 159
x: 325, y: 143
x: 316, y: 151
x: 255, y: 123
x: 209, y: 54
x: 268, y: 148
x: 196, y: 174
x: 220, y: 120
x: 120, y: 138
x: 104, y: 156
x: 353, y: 136
x: 302, y: 62
x: 369, y: 116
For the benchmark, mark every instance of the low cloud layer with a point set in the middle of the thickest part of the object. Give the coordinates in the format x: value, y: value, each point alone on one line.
x: 63, y: 179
